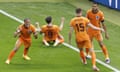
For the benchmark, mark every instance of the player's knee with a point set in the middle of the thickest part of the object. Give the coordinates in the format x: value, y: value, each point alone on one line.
x: 26, y: 48
x: 101, y: 43
x: 81, y: 49
x: 15, y: 49
x: 91, y: 50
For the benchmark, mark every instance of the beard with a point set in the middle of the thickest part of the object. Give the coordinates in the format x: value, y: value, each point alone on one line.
x: 95, y: 11
x: 26, y: 25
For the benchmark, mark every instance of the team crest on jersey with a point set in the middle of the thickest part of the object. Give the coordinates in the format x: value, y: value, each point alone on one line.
x: 97, y: 17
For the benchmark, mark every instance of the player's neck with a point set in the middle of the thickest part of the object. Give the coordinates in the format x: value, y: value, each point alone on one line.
x: 78, y: 15
x: 49, y: 25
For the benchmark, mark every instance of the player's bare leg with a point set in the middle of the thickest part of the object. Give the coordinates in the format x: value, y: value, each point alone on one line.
x: 82, y: 56
x: 105, y: 51
x: 93, y: 56
x: 12, y: 53
x: 26, y: 49
x: 45, y: 42
x: 61, y: 39
x: 57, y: 41
x: 25, y: 56
x: 88, y: 56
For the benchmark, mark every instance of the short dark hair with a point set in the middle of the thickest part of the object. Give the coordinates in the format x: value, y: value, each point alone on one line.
x: 48, y: 19
x: 26, y: 19
x: 95, y: 3
x: 78, y: 10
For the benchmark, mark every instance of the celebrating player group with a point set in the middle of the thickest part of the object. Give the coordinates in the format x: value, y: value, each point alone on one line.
x: 85, y: 28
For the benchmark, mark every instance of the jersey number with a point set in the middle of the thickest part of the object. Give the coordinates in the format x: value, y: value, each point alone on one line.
x: 50, y: 34
x: 80, y: 27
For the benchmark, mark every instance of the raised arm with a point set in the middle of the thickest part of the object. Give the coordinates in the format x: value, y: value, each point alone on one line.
x: 62, y: 23
x: 35, y: 34
x: 70, y: 35
x: 38, y: 29
x: 104, y: 27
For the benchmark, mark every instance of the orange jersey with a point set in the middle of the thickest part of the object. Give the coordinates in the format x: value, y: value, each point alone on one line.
x: 95, y: 19
x: 50, y: 32
x: 79, y: 24
x: 25, y: 33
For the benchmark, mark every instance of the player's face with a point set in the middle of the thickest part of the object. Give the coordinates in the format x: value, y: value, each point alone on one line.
x: 27, y: 23
x: 95, y: 8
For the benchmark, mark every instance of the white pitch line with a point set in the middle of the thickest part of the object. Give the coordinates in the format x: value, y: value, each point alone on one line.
x: 99, y: 61
x: 65, y: 44
x: 11, y: 16
x: 98, y: 51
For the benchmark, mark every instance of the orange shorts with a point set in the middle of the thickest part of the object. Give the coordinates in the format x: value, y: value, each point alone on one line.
x: 60, y: 38
x: 27, y: 43
x: 84, y: 44
x: 97, y: 36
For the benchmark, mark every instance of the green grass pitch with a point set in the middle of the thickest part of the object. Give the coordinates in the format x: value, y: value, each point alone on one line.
x: 51, y: 59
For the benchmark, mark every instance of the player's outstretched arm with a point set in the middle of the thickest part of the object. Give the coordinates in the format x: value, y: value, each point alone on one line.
x: 106, y: 33
x: 95, y: 28
x: 70, y: 35
x: 62, y: 23
x: 35, y: 35
x: 38, y: 29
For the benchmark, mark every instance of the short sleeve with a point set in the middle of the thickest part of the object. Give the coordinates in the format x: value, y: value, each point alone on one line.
x: 87, y: 21
x: 88, y: 13
x: 43, y: 28
x: 33, y: 28
x: 102, y: 16
x: 56, y: 27
x: 20, y: 27
x: 71, y: 22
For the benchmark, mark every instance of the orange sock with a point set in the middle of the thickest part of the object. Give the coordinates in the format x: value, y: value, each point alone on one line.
x: 87, y: 51
x: 104, y: 49
x: 82, y: 56
x: 25, y: 51
x: 93, y: 56
x: 12, y: 53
